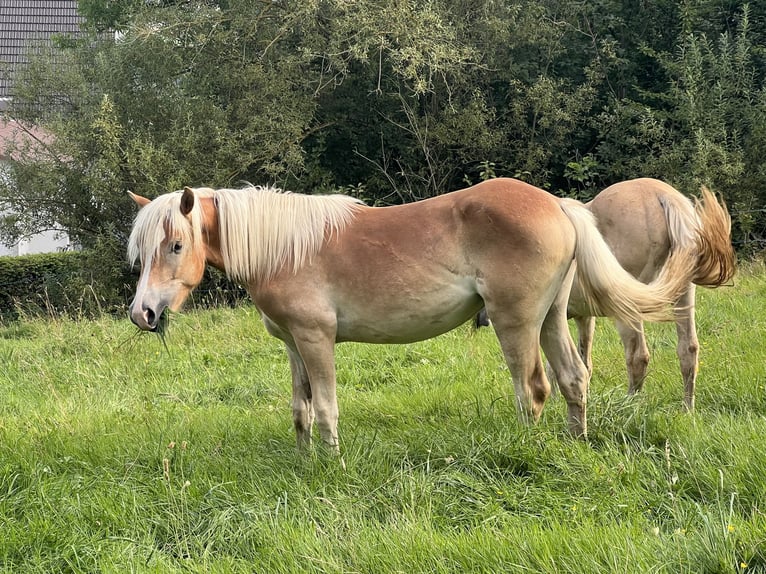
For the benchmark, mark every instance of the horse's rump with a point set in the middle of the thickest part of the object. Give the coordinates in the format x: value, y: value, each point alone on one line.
x: 646, y: 222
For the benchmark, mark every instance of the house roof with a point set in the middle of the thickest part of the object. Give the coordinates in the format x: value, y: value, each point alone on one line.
x: 24, y: 23
x: 17, y: 138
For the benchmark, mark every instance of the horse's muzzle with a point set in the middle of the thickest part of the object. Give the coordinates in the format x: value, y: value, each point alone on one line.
x: 146, y: 318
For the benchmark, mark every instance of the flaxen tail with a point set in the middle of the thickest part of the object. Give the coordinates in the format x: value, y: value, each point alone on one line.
x: 705, y: 224
x: 609, y: 290
x: 717, y: 261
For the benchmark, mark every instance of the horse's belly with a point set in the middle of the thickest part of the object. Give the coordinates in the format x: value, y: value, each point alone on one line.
x: 407, y: 317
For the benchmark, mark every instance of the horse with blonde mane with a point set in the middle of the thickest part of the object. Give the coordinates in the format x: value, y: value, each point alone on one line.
x: 644, y: 221
x: 327, y: 269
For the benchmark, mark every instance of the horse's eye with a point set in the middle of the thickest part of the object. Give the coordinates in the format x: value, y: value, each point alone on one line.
x: 176, y: 248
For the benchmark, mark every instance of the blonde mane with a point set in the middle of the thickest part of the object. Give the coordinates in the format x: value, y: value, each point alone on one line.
x: 261, y: 229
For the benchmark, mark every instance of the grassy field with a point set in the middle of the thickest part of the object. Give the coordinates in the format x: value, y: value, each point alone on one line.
x: 117, y: 455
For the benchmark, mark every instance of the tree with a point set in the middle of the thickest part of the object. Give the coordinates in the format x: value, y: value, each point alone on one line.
x: 705, y: 126
x: 181, y: 97
x: 391, y: 100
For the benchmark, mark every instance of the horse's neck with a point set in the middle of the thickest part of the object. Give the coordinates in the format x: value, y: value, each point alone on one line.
x: 211, y: 234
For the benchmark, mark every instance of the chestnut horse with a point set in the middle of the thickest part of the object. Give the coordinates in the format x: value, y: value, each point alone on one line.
x: 326, y: 269
x: 643, y: 221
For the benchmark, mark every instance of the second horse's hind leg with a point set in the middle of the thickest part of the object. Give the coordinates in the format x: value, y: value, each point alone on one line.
x: 688, y: 345
x: 636, y: 354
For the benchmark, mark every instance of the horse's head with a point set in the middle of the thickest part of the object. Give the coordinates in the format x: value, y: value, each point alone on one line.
x: 167, y: 238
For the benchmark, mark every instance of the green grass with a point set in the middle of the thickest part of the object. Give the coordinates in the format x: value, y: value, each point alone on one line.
x: 117, y: 455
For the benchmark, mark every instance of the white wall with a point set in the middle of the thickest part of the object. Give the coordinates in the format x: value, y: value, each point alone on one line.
x: 46, y: 242
x: 41, y: 243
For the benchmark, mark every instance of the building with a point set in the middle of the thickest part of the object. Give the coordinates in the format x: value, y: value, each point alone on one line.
x: 25, y: 24
x: 13, y: 136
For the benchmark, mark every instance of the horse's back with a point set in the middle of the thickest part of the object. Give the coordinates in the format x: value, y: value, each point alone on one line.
x: 503, y: 219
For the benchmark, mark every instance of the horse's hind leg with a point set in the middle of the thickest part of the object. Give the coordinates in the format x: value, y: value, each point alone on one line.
x: 568, y: 367
x: 688, y: 345
x: 303, y: 411
x: 636, y: 354
x: 521, y: 349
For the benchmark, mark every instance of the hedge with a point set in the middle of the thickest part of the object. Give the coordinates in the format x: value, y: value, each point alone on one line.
x: 85, y: 284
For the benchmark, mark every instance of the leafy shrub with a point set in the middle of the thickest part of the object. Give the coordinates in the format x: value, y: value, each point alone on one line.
x: 86, y: 284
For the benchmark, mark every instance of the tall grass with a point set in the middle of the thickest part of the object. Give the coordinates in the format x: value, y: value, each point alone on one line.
x: 119, y: 455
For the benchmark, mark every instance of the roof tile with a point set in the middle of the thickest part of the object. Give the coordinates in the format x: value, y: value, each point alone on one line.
x: 24, y: 22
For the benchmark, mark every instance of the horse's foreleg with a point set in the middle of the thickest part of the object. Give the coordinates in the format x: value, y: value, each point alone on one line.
x: 636, y: 354
x: 688, y: 345
x: 303, y: 412
x: 586, y: 328
x: 317, y: 352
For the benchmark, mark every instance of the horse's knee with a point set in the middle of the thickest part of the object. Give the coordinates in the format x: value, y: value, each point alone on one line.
x: 640, y: 362
x: 689, y: 367
x: 688, y: 351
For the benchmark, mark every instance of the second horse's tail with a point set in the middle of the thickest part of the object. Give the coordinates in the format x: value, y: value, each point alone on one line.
x: 716, y: 262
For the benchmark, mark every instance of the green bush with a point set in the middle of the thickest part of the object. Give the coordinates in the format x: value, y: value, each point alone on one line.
x: 86, y: 284
x: 35, y: 283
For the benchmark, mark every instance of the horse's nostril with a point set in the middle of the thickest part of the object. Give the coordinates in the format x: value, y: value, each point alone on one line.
x: 150, y: 317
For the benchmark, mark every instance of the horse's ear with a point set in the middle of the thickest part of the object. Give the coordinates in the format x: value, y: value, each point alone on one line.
x: 187, y: 201
x: 140, y: 201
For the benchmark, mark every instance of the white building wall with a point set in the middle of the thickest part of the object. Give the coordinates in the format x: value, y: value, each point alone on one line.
x: 41, y: 243
x: 45, y: 242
